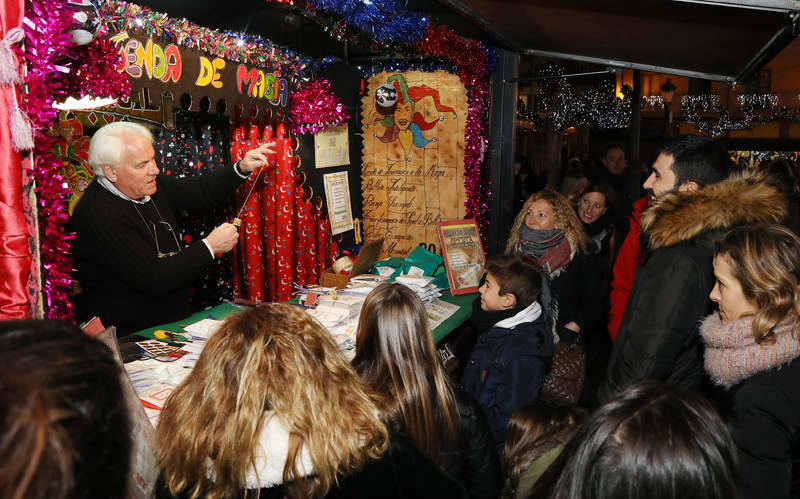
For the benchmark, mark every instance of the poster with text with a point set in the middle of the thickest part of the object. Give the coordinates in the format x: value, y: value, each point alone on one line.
x: 463, y: 255
x: 337, y: 194
x: 412, y: 172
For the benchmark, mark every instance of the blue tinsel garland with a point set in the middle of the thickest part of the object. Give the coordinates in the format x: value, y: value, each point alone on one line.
x: 385, y: 20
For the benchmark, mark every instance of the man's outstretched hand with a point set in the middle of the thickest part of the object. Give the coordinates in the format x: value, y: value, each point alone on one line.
x: 256, y: 157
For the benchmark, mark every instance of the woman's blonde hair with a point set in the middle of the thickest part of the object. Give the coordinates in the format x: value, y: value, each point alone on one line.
x: 396, y: 357
x: 272, y: 358
x: 565, y: 219
x: 765, y: 259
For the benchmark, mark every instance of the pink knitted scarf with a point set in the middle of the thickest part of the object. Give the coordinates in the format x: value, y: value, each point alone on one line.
x: 733, y: 355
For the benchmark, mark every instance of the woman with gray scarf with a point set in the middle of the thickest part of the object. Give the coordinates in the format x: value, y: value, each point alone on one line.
x: 548, y: 232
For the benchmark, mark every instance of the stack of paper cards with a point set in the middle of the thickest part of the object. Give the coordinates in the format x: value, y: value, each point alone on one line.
x: 345, y: 302
x: 329, y: 317
x: 142, y: 374
x: 363, y: 284
x: 203, y: 329
x: 422, y: 285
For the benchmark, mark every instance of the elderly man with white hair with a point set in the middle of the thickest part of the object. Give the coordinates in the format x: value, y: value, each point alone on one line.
x: 132, y: 268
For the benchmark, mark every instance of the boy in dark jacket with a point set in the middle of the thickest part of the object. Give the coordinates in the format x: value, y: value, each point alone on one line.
x: 515, y: 347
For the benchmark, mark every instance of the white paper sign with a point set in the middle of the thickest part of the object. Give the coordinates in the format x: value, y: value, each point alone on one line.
x: 332, y: 147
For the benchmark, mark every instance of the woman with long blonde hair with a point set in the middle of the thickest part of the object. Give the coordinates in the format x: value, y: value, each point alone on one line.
x: 272, y: 406
x: 396, y: 357
x: 752, y: 346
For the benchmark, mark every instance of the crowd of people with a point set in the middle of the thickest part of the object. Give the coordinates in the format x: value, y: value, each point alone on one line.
x: 688, y: 318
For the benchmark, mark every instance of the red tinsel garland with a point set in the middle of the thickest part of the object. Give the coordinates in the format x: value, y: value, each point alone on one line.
x: 47, y: 44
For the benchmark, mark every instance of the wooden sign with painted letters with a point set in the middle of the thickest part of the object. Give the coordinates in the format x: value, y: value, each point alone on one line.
x: 166, y: 71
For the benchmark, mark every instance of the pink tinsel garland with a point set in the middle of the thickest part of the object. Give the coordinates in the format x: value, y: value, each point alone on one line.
x: 94, y: 71
x: 48, y: 42
x: 469, y: 56
x: 315, y: 107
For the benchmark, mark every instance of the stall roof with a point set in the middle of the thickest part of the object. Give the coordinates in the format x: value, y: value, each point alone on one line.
x: 721, y: 40
x: 714, y: 39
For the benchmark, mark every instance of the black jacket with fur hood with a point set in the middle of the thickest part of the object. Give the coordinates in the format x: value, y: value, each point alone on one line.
x: 659, y: 334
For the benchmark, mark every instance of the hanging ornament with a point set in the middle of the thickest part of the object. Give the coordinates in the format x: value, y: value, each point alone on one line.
x: 86, y: 21
x: 386, y: 95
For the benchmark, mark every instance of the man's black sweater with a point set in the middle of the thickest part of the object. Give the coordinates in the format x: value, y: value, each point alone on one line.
x: 124, y: 282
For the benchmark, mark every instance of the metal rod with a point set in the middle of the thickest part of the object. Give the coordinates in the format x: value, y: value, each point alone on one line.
x: 569, y: 75
x: 632, y: 65
x: 767, y: 5
x: 779, y: 40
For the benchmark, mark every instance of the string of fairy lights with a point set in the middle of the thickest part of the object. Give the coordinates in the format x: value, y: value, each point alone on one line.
x: 559, y: 105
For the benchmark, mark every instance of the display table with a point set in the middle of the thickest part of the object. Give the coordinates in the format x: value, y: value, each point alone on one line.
x: 221, y: 311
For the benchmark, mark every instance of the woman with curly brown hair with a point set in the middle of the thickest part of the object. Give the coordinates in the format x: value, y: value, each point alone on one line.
x: 272, y: 406
x: 548, y: 231
x: 752, y: 347
x: 396, y: 357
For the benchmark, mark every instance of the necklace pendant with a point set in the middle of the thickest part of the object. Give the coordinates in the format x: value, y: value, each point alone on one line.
x: 237, y: 221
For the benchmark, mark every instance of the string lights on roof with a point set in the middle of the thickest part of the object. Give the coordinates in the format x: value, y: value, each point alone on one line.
x: 559, y: 106
x: 711, y: 116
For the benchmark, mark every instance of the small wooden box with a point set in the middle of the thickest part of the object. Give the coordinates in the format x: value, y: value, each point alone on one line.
x: 366, y: 259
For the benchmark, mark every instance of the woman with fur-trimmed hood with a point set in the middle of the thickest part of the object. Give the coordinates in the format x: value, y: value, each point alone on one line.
x: 547, y: 231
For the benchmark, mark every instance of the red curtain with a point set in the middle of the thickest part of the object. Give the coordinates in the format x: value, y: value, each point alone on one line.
x: 15, y: 246
x: 284, y: 237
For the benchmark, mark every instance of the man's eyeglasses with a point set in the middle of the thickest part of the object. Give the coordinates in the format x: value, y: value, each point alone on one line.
x: 165, y: 226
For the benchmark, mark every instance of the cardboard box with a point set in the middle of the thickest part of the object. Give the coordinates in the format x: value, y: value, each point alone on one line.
x: 366, y: 259
x: 331, y: 279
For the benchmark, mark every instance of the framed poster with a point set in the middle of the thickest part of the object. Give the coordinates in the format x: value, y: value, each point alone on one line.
x: 463, y: 254
x: 337, y: 195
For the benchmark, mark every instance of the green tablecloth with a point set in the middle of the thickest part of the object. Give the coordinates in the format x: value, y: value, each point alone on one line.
x: 221, y: 311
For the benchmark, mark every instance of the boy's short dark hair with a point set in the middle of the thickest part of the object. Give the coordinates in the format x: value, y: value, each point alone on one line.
x: 516, y: 275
